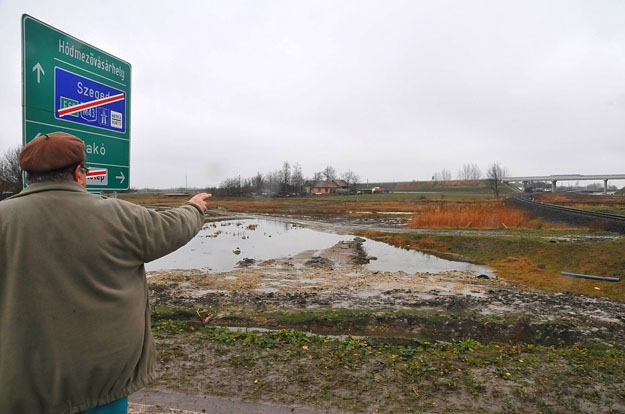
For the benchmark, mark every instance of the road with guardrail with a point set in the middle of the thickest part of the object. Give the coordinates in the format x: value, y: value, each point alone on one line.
x: 567, y: 215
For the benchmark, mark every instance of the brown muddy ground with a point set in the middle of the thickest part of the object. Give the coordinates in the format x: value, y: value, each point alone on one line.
x: 390, y: 306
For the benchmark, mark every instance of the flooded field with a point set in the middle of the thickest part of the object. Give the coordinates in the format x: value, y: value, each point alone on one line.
x: 224, y: 246
x: 298, y: 309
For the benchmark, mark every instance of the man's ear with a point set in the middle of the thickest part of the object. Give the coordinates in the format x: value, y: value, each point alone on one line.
x: 76, y: 173
x: 79, y: 177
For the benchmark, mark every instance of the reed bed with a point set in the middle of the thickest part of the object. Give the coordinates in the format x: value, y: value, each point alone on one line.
x: 481, y: 215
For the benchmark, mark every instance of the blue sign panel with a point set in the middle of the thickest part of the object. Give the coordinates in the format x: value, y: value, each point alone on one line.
x: 71, y: 89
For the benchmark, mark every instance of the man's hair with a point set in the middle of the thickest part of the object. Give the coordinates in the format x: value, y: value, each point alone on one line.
x: 55, y: 176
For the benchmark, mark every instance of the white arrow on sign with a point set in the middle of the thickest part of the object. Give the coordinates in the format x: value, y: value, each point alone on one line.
x: 121, y: 177
x: 39, y: 70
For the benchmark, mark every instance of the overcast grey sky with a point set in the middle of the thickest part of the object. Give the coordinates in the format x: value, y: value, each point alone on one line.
x: 393, y: 90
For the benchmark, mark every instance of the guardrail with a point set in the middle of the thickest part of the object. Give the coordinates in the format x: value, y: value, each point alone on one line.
x: 566, y: 215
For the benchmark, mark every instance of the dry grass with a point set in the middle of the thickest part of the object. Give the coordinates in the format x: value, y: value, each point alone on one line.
x: 326, y: 206
x: 475, y: 215
x: 571, y: 199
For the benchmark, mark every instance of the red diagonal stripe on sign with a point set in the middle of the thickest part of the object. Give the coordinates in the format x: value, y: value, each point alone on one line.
x: 96, y: 173
x: 92, y: 104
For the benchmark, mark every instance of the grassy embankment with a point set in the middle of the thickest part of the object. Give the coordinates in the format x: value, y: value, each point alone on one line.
x: 457, y: 186
x: 605, y: 204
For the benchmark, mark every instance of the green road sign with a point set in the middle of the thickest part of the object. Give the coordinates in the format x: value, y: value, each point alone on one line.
x: 71, y: 86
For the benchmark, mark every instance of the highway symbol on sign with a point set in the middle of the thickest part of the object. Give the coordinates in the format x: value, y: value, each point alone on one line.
x: 88, y: 105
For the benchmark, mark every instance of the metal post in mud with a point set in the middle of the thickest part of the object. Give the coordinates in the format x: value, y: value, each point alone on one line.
x: 609, y: 279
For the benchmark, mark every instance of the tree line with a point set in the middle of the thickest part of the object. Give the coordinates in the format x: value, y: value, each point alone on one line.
x: 471, y: 172
x: 494, y: 174
x: 288, y: 180
x: 10, y: 171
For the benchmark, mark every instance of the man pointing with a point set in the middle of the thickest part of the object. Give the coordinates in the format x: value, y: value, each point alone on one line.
x: 74, y: 314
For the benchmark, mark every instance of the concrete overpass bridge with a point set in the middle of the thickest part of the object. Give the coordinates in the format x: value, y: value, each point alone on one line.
x: 565, y: 177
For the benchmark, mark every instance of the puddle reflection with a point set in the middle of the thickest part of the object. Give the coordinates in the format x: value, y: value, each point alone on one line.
x: 219, y: 246
x: 394, y: 259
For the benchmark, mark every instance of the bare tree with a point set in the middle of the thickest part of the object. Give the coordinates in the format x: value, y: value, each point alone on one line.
x: 10, y: 171
x: 285, y: 177
x: 247, y: 186
x: 259, y: 182
x: 329, y: 173
x: 495, y: 173
x: 231, y: 186
x: 297, y: 178
x: 275, y: 180
x: 470, y: 172
x: 350, y: 178
x: 318, y: 176
x: 443, y: 175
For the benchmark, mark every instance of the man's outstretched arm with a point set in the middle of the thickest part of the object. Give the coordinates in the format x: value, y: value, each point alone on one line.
x: 169, y: 230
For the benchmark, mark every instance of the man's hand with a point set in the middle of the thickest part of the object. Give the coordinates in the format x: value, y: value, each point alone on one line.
x: 199, y: 200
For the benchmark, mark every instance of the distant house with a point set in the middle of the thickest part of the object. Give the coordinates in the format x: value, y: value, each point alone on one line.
x: 327, y: 187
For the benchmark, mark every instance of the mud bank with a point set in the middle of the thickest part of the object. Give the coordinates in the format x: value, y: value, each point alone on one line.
x: 340, y: 297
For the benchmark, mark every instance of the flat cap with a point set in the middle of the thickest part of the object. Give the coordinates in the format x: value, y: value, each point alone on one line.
x: 52, y: 151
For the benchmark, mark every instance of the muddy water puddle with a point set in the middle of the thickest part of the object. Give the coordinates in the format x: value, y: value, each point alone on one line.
x: 388, y: 213
x: 394, y: 259
x: 220, y: 246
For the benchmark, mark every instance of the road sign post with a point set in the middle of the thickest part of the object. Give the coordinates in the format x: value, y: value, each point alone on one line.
x: 71, y: 86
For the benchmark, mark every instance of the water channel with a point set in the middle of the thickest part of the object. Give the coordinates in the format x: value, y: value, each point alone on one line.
x: 220, y: 245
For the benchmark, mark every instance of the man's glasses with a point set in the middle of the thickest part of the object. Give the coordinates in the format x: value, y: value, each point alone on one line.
x: 84, y: 169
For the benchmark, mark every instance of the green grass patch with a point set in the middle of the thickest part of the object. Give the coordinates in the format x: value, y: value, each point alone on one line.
x: 619, y: 211
x: 402, y: 326
x: 362, y: 375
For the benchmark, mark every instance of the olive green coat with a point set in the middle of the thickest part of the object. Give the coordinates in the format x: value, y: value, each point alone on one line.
x: 74, y: 313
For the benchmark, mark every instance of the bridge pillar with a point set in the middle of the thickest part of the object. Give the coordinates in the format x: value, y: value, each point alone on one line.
x: 605, y: 186
x: 553, y: 186
x: 525, y: 183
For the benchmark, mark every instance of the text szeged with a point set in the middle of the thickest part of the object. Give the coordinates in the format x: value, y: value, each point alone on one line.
x: 90, y: 92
